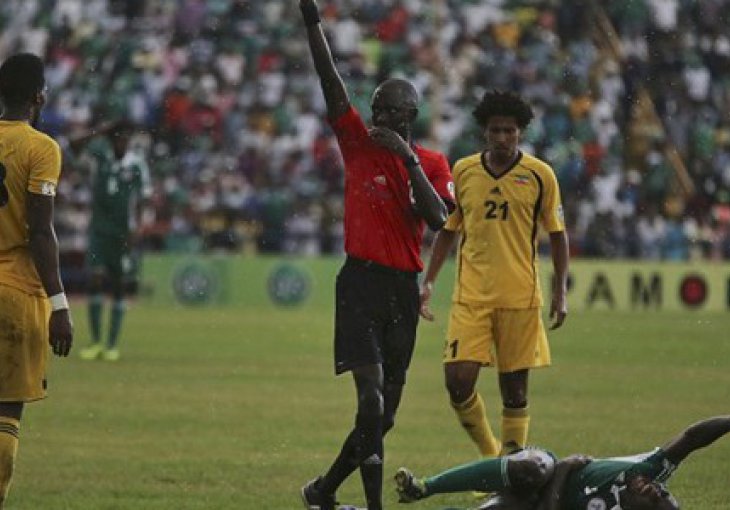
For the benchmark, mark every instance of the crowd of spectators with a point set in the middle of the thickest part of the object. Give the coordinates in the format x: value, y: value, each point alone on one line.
x: 232, y: 119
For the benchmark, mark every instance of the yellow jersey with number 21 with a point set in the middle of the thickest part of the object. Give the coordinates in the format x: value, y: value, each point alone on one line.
x: 498, y: 217
x: 30, y: 161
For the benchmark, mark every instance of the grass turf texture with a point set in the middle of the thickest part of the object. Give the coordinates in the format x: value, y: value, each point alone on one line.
x: 236, y: 407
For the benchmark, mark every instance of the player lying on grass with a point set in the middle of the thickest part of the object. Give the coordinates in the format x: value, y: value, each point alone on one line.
x: 532, y: 479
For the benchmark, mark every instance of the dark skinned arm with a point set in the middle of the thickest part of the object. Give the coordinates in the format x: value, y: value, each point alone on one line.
x: 442, y: 246
x: 426, y: 202
x: 560, y: 256
x: 696, y: 436
x: 44, y: 251
x: 78, y: 142
x: 335, y: 93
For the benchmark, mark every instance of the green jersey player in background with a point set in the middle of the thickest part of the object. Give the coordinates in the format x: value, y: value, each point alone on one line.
x: 120, y: 184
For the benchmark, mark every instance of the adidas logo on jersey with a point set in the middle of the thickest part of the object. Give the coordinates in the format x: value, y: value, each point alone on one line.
x: 495, y: 191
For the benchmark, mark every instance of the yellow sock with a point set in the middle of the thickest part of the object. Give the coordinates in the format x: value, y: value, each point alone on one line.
x: 8, y: 448
x: 473, y: 417
x: 515, y: 423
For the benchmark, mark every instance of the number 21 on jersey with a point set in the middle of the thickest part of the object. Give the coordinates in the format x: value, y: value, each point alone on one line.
x: 496, y: 210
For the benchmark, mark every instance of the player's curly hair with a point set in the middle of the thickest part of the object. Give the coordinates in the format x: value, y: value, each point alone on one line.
x: 21, y: 78
x: 504, y: 104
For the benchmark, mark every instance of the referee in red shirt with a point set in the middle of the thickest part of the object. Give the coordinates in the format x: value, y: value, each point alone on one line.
x: 392, y: 187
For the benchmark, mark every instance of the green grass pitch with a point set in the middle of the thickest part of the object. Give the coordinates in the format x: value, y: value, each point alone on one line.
x: 236, y: 407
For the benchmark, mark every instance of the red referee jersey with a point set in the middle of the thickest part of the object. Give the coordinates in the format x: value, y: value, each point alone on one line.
x: 380, y: 223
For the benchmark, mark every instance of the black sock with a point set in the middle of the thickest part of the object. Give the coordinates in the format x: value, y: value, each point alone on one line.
x: 343, y: 466
x: 370, y: 431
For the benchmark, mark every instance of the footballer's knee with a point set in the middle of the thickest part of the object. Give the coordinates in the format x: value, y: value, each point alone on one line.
x: 369, y: 385
x: 461, y: 379
x: 370, y: 400
x: 513, y: 388
x: 460, y: 387
x: 514, y: 397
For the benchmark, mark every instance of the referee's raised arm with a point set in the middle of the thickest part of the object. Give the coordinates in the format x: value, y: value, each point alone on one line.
x: 335, y: 93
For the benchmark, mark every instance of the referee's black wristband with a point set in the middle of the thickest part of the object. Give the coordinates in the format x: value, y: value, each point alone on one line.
x: 310, y: 13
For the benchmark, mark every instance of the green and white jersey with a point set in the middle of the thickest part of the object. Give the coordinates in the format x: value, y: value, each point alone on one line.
x: 118, y: 185
x: 598, y: 484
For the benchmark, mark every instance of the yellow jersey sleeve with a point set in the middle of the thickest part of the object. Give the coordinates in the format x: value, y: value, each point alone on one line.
x: 45, y: 167
x: 455, y: 221
x: 551, y: 215
x: 32, y: 163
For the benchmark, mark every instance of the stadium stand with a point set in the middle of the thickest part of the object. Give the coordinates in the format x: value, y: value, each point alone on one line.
x: 632, y: 103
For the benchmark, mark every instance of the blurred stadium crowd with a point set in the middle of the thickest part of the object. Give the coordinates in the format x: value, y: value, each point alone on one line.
x: 232, y: 116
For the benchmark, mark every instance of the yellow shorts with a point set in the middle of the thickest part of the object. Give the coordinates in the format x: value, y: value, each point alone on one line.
x: 23, y: 345
x: 508, y: 339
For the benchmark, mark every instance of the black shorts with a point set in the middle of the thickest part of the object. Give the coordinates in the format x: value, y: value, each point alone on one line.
x: 376, y: 314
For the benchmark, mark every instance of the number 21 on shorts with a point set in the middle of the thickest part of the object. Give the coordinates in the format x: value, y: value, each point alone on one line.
x: 452, y: 348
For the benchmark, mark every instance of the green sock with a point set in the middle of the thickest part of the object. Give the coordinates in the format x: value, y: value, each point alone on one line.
x: 486, y: 475
x: 96, y: 302
x: 115, y: 323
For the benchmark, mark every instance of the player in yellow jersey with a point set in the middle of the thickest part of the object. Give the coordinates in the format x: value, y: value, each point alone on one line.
x: 33, y: 307
x: 502, y: 195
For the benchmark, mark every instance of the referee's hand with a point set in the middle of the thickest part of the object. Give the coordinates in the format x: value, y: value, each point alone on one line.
x: 389, y: 139
x: 60, y: 332
x: 425, y: 310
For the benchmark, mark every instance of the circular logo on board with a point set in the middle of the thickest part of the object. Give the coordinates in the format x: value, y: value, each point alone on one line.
x: 693, y: 290
x: 194, y: 283
x: 288, y: 285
